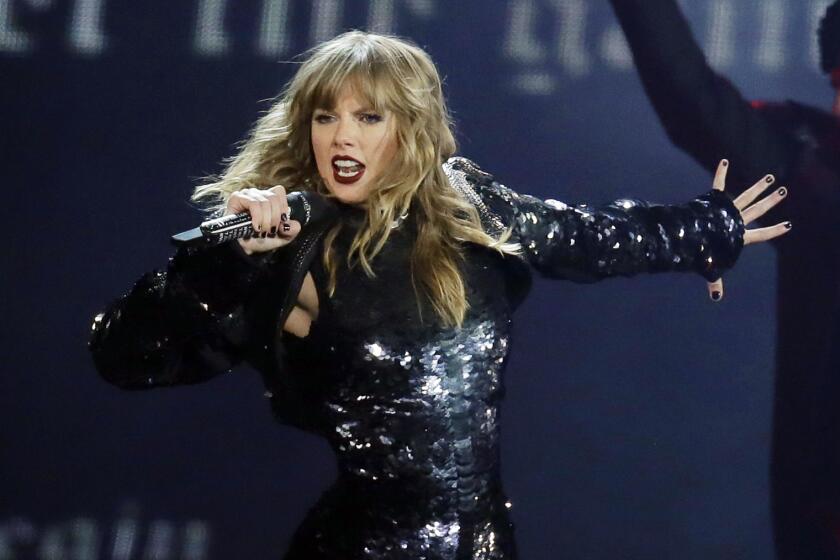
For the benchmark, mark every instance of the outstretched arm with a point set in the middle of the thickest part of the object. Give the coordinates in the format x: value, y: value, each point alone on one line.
x: 702, y: 112
x: 629, y: 236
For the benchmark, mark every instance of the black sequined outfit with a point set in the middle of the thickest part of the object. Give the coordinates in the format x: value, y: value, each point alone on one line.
x: 410, y: 407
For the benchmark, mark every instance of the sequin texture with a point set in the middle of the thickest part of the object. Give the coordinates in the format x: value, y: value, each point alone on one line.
x: 410, y: 407
x: 411, y: 412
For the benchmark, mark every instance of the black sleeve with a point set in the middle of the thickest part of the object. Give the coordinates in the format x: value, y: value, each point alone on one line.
x: 702, y: 112
x: 623, y: 238
x: 182, y: 325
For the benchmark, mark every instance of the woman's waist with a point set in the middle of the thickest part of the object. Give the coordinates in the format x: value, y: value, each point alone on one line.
x: 431, y: 456
x: 449, y: 482
x: 469, y: 497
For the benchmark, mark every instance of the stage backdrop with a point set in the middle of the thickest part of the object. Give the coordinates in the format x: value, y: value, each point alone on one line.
x: 637, y: 417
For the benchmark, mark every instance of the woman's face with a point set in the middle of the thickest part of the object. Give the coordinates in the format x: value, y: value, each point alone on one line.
x: 353, y: 145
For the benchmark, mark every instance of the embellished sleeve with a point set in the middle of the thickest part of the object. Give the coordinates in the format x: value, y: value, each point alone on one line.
x: 623, y: 238
x: 181, y: 325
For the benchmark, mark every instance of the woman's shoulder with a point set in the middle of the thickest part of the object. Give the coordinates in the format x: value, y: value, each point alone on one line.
x: 491, y: 198
x: 466, y: 168
x: 478, y: 184
x: 472, y: 181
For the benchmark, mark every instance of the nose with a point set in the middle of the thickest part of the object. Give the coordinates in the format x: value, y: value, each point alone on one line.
x: 344, y: 133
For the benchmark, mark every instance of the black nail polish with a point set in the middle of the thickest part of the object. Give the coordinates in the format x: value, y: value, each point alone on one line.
x: 286, y: 227
x: 724, y: 163
x: 284, y: 217
x: 264, y: 234
x: 788, y: 225
x: 769, y: 178
x: 782, y: 191
x: 273, y: 229
x: 716, y: 296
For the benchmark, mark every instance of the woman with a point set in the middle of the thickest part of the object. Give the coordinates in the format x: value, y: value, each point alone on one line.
x: 404, y: 378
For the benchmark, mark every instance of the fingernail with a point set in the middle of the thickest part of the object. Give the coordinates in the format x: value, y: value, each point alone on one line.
x: 273, y: 229
x: 769, y: 178
x: 716, y: 296
x: 788, y: 225
x: 724, y: 163
x: 264, y: 234
x: 782, y: 191
x: 283, y: 217
x: 286, y: 227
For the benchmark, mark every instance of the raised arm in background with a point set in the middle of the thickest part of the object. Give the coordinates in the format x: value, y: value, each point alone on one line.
x: 706, y: 116
x: 702, y: 112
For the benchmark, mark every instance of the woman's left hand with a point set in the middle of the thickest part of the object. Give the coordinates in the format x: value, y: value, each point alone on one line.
x: 749, y: 212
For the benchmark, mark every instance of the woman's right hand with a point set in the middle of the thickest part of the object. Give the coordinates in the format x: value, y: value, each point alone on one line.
x: 269, y: 212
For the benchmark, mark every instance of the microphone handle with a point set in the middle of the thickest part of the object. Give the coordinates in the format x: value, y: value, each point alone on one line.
x: 235, y: 226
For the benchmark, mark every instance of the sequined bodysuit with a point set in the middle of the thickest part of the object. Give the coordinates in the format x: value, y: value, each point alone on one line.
x: 411, y: 412
x: 410, y: 407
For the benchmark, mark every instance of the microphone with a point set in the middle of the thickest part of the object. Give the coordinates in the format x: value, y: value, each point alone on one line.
x: 304, y: 207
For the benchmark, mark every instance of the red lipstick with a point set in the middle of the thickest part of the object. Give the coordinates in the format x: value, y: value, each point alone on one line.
x: 347, y: 170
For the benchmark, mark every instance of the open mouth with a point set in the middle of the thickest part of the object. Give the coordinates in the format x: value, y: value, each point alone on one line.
x: 346, y: 169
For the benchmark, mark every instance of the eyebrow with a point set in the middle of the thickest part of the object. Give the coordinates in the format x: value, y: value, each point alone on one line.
x: 364, y: 109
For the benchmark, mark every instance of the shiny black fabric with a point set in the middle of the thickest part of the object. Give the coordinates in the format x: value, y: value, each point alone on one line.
x: 410, y: 407
x: 164, y: 331
x: 623, y: 238
x: 411, y: 411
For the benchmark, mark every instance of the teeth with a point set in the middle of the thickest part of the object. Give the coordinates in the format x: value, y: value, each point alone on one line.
x: 347, y: 167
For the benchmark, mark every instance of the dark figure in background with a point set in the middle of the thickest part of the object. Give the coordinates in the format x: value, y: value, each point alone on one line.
x: 705, y: 115
x: 385, y: 327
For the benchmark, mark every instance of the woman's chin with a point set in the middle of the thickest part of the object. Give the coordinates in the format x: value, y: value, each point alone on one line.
x: 349, y: 194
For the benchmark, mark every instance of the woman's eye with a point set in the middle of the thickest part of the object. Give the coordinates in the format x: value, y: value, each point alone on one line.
x: 371, y: 118
x: 322, y: 118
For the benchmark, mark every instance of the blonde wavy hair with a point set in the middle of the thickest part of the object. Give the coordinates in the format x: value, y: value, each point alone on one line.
x: 394, y: 75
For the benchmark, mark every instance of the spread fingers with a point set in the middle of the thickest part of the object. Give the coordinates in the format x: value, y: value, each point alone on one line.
x: 748, y: 196
x: 719, y: 182
x: 763, y: 234
x: 762, y: 206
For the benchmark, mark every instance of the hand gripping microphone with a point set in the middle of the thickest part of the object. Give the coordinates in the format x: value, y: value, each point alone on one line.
x: 304, y: 207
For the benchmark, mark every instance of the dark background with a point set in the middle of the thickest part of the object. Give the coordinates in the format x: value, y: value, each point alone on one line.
x: 637, y: 417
